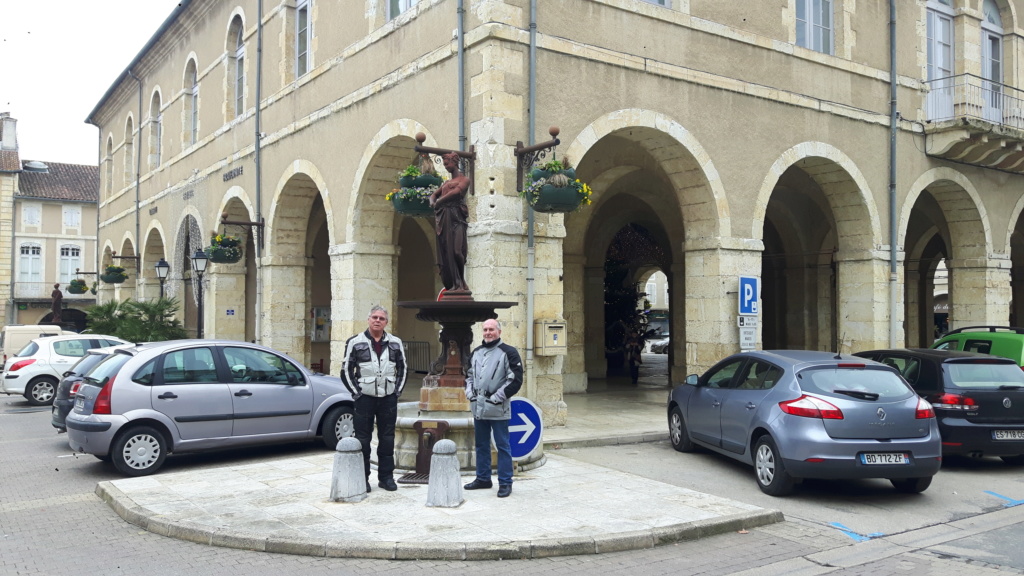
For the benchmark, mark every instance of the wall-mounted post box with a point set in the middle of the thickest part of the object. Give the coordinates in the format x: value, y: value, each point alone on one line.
x: 549, y: 338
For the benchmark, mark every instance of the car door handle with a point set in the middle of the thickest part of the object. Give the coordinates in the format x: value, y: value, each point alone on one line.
x: 716, y: 404
x: 751, y: 405
x: 243, y: 393
x: 167, y: 396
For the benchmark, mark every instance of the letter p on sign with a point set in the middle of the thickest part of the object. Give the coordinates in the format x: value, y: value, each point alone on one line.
x: 750, y: 291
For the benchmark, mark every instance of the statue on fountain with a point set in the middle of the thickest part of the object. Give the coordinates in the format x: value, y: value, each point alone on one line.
x: 451, y: 221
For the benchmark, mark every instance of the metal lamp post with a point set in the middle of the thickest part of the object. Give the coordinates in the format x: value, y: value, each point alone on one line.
x: 199, y: 260
x: 162, y: 268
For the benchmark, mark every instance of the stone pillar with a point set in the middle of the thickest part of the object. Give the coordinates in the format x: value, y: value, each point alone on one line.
x: 224, y: 301
x: 917, y: 322
x: 574, y: 375
x: 979, y: 291
x: 444, y: 487
x: 593, y: 301
x: 713, y: 267
x: 285, y: 315
x: 362, y: 276
x: 862, y: 293
x: 348, y: 479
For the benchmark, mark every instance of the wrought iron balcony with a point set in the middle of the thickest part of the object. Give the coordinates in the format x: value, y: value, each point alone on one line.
x: 975, y: 121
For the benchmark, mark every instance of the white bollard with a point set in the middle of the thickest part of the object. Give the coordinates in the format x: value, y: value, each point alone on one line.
x: 348, y: 481
x: 444, y: 489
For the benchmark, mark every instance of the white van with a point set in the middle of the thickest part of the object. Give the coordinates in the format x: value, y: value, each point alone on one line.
x: 14, y: 337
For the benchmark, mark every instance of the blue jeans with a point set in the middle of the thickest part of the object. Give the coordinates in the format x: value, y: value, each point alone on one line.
x: 483, y: 430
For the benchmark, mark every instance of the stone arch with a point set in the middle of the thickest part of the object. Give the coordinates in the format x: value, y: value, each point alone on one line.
x: 286, y: 219
x: 852, y: 193
x: 954, y: 192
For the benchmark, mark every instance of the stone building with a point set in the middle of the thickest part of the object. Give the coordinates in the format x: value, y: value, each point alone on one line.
x: 748, y: 137
x: 47, y: 233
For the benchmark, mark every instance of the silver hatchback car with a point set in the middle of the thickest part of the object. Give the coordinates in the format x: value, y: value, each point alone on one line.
x: 796, y: 414
x: 143, y: 402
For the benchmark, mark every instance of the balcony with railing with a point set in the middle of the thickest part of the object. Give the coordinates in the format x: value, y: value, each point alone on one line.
x: 43, y: 290
x: 975, y: 121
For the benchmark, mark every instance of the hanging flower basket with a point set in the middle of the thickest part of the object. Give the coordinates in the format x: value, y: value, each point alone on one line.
x: 554, y: 188
x: 421, y: 181
x: 93, y: 289
x: 224, y: 249
x: 78, y: 287
x: 412, y: 204
x: 114, y: 275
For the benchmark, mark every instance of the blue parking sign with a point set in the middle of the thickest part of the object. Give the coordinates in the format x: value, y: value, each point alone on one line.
x: 750, y: 292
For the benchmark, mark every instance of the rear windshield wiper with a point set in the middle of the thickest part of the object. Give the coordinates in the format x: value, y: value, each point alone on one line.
x: 857, y: 394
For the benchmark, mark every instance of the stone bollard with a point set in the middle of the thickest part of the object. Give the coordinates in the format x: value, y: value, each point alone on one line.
x: 444, y: 489
x: 348, y: 481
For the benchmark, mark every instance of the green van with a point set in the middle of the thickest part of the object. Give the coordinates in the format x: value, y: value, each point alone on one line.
x: 995, y: 340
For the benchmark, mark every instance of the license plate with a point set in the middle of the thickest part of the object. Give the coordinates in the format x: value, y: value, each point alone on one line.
x: 1008, y: 434
x: 79, y: 402
x: 884, y: 458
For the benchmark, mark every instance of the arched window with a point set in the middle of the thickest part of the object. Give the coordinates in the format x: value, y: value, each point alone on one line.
x: 303, y: 37
x: 30, y: 264
x: 70, y: 260
x: 814, y: 25
x: 237, y: 66
x: 992, y: 61
x: 129, y: 151
x: 190, y: 116
x: 155, y: 131
x: 109, y: 172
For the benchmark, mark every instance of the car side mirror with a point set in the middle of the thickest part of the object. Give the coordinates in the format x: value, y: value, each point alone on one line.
x: 692, y: 380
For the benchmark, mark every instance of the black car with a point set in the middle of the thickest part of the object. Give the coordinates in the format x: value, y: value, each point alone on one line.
x: 64, y: 399
x: 978, y: 399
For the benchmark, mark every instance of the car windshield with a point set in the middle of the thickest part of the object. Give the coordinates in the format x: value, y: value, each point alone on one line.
x: 29, y: 349
x: 984, y: 375
x: 106, y: 368
x: 857, y: 383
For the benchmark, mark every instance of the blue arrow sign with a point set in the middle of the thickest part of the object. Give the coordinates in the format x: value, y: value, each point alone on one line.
x: 525, y: 429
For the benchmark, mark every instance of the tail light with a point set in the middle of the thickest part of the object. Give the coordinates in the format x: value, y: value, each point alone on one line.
x: 21, y: 364
x: 74, y: 388
x: 102, y: 403
x: 811, y: 407
x: 954, y: 402
x: 924, y: 410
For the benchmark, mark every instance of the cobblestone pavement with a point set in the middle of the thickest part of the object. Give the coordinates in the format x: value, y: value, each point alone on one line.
x: 51, y: 522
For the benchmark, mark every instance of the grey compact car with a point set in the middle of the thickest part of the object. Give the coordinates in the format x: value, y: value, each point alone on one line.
x: 796, y: 414
x: 143, y: 402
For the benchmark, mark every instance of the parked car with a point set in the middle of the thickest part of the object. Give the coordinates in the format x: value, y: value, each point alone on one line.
x: 796, y: 414
x: 64, y: 399
x: 996, y: 340
x: 14, y: 337
x: 978, y: 399
x: 146, y: 401
x: 36, y: 369
x: 659, y: 344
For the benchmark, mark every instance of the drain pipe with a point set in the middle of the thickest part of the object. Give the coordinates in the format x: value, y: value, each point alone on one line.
x: 893, y: 119
x: 461, y: 12
x: 138, y: 183
x: 258, y: 328
x: 531, y: 250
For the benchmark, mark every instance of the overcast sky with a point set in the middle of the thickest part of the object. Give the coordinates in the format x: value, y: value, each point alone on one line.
x: 59, y: 57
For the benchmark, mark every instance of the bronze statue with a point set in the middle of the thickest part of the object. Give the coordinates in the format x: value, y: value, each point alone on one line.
x: 451, y: 220
x: 58, y: 304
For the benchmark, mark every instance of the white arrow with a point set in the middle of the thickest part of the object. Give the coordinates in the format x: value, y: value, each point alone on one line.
x: 528, y: 427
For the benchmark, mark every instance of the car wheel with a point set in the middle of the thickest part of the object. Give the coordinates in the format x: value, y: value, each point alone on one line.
x: 138, y: 451
x: 40, y: 392
x: 339, y: 423
x: 1017, y: 460
x: 677, y: 432
x: 772, y: 477
x: 911, y: 485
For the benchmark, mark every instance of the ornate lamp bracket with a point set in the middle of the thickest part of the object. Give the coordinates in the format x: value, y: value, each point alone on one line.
x: 467, y: 160
x: 529, y: 155
x: 257, y: 225
x: 116, y: 257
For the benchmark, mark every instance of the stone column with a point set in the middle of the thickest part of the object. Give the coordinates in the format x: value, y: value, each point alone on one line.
x: 862, y: 293
x: 593, y: 299
x: 361, y: 278
x: 979, y: 291
x: 917, y: 323
x: 713, y: 267
x: 574, y: 375
x: 224, y: 301
x: 285, y: 325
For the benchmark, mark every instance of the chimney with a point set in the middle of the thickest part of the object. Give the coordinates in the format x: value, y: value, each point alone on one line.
x: 8, y: 132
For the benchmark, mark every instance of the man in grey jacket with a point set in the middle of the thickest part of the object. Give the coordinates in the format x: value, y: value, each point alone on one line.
x: 495, y: 375
x: 374, y: 373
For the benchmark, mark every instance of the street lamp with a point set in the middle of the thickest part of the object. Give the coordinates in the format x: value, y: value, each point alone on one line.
x: 162, y: 268
x: 199, y: 260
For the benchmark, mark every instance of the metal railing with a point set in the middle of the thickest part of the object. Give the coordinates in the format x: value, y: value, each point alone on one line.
x: 43, y: 290
x: 970, y: 96
x: 417, y: 355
